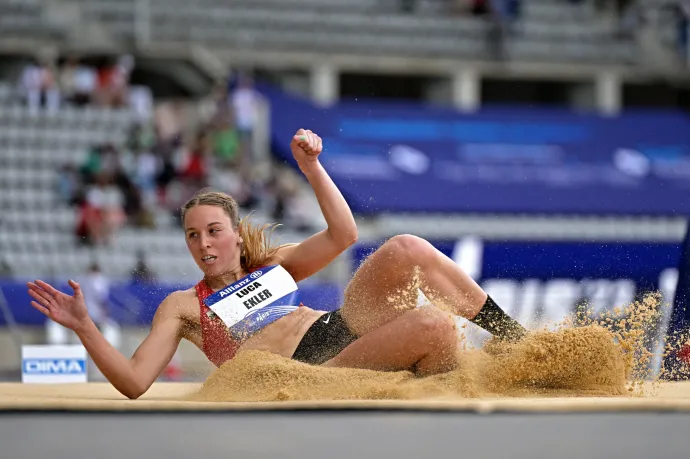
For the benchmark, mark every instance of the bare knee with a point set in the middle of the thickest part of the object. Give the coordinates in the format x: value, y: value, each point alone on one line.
x: 438, y: 333
x: 410, y: 248
x: 436, y: 327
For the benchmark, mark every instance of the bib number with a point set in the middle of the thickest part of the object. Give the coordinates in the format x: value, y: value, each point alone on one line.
x: 256, y: 300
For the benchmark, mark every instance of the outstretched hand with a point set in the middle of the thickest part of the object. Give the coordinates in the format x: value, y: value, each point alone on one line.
x: 68, y: 310
x: 306, y: 147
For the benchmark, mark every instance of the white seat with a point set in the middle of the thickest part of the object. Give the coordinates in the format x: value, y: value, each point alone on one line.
x: 82, y: 258
x: 24, y: 263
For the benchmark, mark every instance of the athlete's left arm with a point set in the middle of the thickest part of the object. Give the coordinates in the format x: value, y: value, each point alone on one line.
x: 316, y: 252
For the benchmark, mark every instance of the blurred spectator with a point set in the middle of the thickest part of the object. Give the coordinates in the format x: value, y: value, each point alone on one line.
x: 142, y: 272
x: 195, y: 164
x: 101, y: 212
x: 68, y: 184
x: 514, y: 9
x: 144, y: 167
x: 96, y: 289
x: 135, y: 210
x: 231, y: 181
x: 113, y: 83
x: 77, y: 82
x: 141, y: 102
x: 39, y: 87
x: 244, y: 101
x: 167, y: 173
x: 169, y: 122
x: 502, y: 15
x: 89, y: 223
x: 154, y: 169
x: 292, y: 205
x: 226, y: 142
x: 480, y: 7
x: 92, y: 165
x: 216, y: 104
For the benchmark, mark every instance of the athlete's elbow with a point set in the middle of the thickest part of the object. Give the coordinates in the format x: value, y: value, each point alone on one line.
x: 353, y: 237
x: 347, y: 239
x: 133, y: 395
x: 133, y: 392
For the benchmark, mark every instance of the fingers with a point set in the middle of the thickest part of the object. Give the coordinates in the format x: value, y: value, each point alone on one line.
x: 38, y: 293
x: 308, y: 141
x: 314, y: 143
x: 75, y: 286
x: 47, y: 287
x: 303, y: 139
x: 40, y: 308
x: 300, y: 137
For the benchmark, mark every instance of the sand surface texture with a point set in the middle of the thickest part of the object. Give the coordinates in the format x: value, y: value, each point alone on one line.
x: 172, y: 397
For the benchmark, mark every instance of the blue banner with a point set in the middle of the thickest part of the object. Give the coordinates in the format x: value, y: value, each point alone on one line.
x: 398, y: 157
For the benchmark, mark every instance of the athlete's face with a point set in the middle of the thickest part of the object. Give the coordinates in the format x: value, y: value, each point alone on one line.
x: 212, y: 241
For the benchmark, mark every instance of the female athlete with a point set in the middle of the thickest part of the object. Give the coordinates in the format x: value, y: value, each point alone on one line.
x: 371, y: 330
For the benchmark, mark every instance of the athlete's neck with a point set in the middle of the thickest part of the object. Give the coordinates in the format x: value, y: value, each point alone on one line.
x: 219, y: 282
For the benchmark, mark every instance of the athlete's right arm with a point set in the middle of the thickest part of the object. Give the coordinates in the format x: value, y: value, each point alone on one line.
x: 133, y: 377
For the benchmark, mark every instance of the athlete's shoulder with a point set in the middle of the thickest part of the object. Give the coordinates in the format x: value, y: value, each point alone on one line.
x: 179, y: 302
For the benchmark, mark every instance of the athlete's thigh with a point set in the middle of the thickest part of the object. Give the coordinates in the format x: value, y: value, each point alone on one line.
x: 425, y: 338
x: 382, y: 289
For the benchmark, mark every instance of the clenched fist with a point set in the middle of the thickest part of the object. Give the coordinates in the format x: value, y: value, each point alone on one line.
x: 306, y: 147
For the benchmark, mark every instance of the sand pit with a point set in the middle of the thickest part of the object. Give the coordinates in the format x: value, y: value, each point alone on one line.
x: 571, y: 370
x: 166, y: 397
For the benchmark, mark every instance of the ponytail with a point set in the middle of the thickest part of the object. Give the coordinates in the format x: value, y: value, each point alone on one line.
x: 257, y: 248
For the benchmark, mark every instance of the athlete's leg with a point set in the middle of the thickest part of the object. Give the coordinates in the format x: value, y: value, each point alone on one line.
x: 424, y: 340
x: 385, y: 286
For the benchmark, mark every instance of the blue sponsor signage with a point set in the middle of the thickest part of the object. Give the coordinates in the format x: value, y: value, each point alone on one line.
x: 394, y: 157
x: 54, y: 366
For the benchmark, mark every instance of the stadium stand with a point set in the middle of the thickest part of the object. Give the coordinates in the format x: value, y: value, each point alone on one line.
x: 548, y: 30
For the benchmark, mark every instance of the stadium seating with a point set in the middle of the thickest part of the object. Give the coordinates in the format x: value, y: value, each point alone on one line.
x: 34, y: 223
x: 549, y: 30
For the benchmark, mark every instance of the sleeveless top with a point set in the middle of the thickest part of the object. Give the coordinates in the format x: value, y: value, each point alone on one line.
x: 218, y: 345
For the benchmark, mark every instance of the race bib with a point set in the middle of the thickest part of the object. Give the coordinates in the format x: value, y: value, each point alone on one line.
x: 255, y: 301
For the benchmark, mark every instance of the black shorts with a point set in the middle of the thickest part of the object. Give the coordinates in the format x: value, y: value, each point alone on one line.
x: 324, y: 340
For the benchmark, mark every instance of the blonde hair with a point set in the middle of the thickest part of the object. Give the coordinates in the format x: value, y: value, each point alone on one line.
x: 257, y: 248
